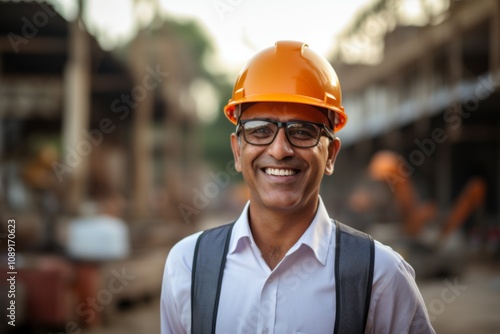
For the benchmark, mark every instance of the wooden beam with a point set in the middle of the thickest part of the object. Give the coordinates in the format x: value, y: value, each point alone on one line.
x: 37, y: 45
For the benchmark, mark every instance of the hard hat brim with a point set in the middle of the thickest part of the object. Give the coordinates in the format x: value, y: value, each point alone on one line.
x: 229, y: 109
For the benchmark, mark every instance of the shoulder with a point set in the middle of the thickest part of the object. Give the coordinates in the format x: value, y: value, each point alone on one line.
x: 176, y: 286
x: 396, y: 303
x: 181, y: 254
x: 388, y: 260
x: 390, y: 266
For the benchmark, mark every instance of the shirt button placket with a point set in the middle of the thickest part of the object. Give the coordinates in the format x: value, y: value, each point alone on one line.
x: 268, y: 305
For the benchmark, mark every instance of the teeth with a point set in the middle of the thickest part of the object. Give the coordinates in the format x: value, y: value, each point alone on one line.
x: 280, y: 172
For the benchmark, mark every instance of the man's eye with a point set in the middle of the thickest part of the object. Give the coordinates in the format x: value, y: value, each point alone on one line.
x: 303, y: 132
x: 261, y: 131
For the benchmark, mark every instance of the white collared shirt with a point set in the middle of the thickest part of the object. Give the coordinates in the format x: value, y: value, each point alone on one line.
x: 298, y: 296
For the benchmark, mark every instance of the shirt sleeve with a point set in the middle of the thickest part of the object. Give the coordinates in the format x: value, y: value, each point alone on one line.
x: 396, y: 305
x: 175, y: 300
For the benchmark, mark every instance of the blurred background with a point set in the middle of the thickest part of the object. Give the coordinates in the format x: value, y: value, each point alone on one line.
x: 113, y: 145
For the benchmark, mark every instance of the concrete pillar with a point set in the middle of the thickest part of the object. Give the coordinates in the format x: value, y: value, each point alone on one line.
x: 77, y: 78
x: 142, y: 129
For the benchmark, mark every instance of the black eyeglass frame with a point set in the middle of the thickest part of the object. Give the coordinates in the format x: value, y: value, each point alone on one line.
x: 324, y: 130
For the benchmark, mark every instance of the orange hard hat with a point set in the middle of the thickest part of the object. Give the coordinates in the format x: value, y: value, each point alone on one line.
x: 289, y: 72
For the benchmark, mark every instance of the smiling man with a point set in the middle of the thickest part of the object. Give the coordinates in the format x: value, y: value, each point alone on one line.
x: 284, y: 266
x: 283, y: 169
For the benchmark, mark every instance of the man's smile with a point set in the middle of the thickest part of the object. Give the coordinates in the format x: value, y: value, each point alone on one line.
x: 280, y: 171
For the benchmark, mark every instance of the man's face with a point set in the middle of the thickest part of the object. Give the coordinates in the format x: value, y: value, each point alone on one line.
x: 303, y: 167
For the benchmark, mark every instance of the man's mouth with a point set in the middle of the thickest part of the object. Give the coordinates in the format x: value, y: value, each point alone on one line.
x: 280, y: 171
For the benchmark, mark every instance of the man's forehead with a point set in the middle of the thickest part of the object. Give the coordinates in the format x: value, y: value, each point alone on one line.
x: 283, y: 111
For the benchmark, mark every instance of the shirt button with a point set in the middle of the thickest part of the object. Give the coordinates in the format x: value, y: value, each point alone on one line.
x: 265, y: 331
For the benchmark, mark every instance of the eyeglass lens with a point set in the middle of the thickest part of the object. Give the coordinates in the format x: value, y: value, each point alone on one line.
x: 301, y: 134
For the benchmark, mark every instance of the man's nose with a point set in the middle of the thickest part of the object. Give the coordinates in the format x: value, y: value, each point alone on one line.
x: 280, y: 148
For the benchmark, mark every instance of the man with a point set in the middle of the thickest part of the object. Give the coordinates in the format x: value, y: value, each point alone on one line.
x: 278, y: 275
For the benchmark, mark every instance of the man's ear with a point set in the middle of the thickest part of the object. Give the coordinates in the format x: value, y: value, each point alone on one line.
x: 333, y: 150
x: 235, y: 147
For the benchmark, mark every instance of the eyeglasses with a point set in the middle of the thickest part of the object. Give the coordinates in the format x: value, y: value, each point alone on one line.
x: 301, y: 134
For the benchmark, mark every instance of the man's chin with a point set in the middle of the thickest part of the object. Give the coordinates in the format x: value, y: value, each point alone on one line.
x: 281, y: 202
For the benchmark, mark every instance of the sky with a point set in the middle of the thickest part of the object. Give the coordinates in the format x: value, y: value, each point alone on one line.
x: 238, y: 28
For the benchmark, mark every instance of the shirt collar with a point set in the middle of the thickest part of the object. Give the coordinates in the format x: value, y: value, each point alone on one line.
x: 241, y: 231
x: 317, y: 237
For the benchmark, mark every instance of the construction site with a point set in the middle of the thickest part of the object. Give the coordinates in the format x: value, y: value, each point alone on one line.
x: 97, y: 137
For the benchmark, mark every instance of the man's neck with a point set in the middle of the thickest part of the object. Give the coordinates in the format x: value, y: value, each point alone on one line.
x: 276, y: 231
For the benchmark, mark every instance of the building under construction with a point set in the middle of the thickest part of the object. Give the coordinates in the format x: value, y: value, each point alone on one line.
x: 423, y: 99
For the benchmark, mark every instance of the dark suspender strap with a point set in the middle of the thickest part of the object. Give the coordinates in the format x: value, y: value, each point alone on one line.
x: 208, y: 268
x: 354, y: 260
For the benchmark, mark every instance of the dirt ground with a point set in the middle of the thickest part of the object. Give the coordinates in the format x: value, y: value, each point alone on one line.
x: 466, y: 304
